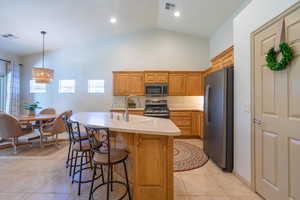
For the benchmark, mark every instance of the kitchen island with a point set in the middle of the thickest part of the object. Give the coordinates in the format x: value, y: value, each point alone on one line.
x: 149, y: 142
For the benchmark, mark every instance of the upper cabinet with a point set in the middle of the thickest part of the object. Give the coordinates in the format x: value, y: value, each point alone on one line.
x: 180, y: 83
x: 177, y: 84
x: 194, y: 84
x: 185, y: 84
x: 224, y: 59
x: 156, y: 77
x: 128, y: 83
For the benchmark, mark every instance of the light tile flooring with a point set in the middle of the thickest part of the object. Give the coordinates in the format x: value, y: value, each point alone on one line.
x: 210, y: 183
x: 46, y: 178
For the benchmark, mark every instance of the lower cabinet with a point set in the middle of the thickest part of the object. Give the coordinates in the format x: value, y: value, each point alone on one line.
x: 189, y: 122
x: 132, y: 112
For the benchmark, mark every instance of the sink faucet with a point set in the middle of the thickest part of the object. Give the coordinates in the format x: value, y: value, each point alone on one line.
x: 126, y: 113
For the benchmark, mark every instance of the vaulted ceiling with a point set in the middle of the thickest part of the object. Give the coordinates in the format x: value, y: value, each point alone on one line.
x: 73, y: 21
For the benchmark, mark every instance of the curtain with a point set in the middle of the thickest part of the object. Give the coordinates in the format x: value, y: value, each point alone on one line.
x: 2, y: 68
x: 13, y: 89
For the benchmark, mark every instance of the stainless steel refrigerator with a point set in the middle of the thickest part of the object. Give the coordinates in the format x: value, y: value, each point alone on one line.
x: 218, y: 123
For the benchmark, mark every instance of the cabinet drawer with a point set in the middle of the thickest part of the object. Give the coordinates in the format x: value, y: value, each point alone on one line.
x: 181, y: 114
x: 186, y: 131
x: 182, y: 121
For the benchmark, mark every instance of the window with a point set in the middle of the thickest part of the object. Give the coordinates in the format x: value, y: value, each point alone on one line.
x: 96, y: 86
x: 66, y: 86
x: 37, y: 87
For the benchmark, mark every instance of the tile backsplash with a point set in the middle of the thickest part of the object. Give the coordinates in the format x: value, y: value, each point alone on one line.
x: 119, y: 102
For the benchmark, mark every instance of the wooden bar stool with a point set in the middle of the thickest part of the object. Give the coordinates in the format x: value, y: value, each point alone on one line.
x: 104, y: 155
x: 82, y: 148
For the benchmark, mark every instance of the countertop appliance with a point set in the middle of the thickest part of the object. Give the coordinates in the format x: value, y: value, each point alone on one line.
x: 157, y: 108
x: 218, y: 123
x: 156, y: 90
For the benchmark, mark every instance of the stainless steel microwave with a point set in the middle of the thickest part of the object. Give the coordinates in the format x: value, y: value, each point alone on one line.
x: 156, y: 90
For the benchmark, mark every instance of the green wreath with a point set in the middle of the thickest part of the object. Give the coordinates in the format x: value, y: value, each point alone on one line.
x: 287, y: 57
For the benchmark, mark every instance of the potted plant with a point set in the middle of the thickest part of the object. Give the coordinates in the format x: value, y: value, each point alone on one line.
x: 32, y: 107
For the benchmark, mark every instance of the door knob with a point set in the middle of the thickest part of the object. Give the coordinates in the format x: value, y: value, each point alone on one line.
x: 257, y: 122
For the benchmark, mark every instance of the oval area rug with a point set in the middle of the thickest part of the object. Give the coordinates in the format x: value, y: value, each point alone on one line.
x: 188, y: 156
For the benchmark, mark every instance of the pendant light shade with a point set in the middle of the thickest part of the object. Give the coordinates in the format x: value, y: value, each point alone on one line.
x: 42, y: 74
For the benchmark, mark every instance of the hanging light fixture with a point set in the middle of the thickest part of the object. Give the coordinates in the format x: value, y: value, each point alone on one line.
x: 42, y: 74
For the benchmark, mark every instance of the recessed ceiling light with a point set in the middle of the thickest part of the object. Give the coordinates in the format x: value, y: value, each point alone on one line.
x: 113, y: 20
x: 177, y: 14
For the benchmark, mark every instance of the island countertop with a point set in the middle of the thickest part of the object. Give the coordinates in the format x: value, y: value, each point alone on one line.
x: 136, y: 124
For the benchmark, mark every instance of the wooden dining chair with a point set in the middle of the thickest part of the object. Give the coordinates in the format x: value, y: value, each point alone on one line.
x: 50, y: 111
x: 53, y: 128
x: 11, y: 130
x: 46, y: 111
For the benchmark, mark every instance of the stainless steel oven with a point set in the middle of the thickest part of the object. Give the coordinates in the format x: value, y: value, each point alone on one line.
x: 156, y: 90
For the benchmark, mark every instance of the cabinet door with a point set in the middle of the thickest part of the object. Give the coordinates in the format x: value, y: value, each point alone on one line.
x: 120, y: 84
x: 202, y: 125
x: 183, y: 120
x: 135, y: 85
x: 194, y: 85
x: 156, y: 77
x: 128, y: 83
x: 196, y: 124
x: 136, y: 112
x: 177, y: 84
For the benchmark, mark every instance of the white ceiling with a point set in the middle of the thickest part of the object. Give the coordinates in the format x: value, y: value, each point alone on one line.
x: 73, y: 21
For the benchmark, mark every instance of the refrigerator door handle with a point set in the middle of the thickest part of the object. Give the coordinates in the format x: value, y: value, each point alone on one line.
x: 207, y: 93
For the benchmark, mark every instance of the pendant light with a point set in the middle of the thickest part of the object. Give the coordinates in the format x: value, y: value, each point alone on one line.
x: 42, y: 74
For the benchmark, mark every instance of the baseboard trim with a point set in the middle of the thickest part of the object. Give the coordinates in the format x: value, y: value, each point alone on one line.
x: 244, y: 181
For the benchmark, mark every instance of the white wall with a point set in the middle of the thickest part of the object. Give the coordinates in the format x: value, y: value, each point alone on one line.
x: 95, y: 60
x: 222, y: 38
x: 252, y: 17
x: 10, y: 57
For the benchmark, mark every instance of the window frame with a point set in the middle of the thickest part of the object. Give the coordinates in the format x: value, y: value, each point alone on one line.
x: 32, y: 81
x: 94, y: 90
x: 60, y: 87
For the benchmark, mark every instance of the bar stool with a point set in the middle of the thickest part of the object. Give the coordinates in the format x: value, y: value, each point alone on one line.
x: 82, y: 148
x: 75, y: 135
x: 104, y: 155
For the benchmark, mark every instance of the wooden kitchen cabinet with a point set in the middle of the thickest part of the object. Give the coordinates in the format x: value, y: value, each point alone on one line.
x: 180, y: 83
x: 194, y: 84
x: 131, y: 112
x: 183, y: 120
x: 156, y: 77
x: 128, y: 83
x: 177, y: 84
x: 202, y: 125
x: 197, y: 124
x: 189, y: 122
x: 224, y: 59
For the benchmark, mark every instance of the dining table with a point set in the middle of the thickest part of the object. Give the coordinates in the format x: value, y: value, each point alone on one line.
x: 34, y: 118
x: 38, y: 119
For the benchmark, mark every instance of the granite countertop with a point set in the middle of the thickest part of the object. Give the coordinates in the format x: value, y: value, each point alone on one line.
x: 136, y: 124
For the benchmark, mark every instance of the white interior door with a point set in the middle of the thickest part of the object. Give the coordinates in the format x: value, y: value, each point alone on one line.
x: 277, y: 114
